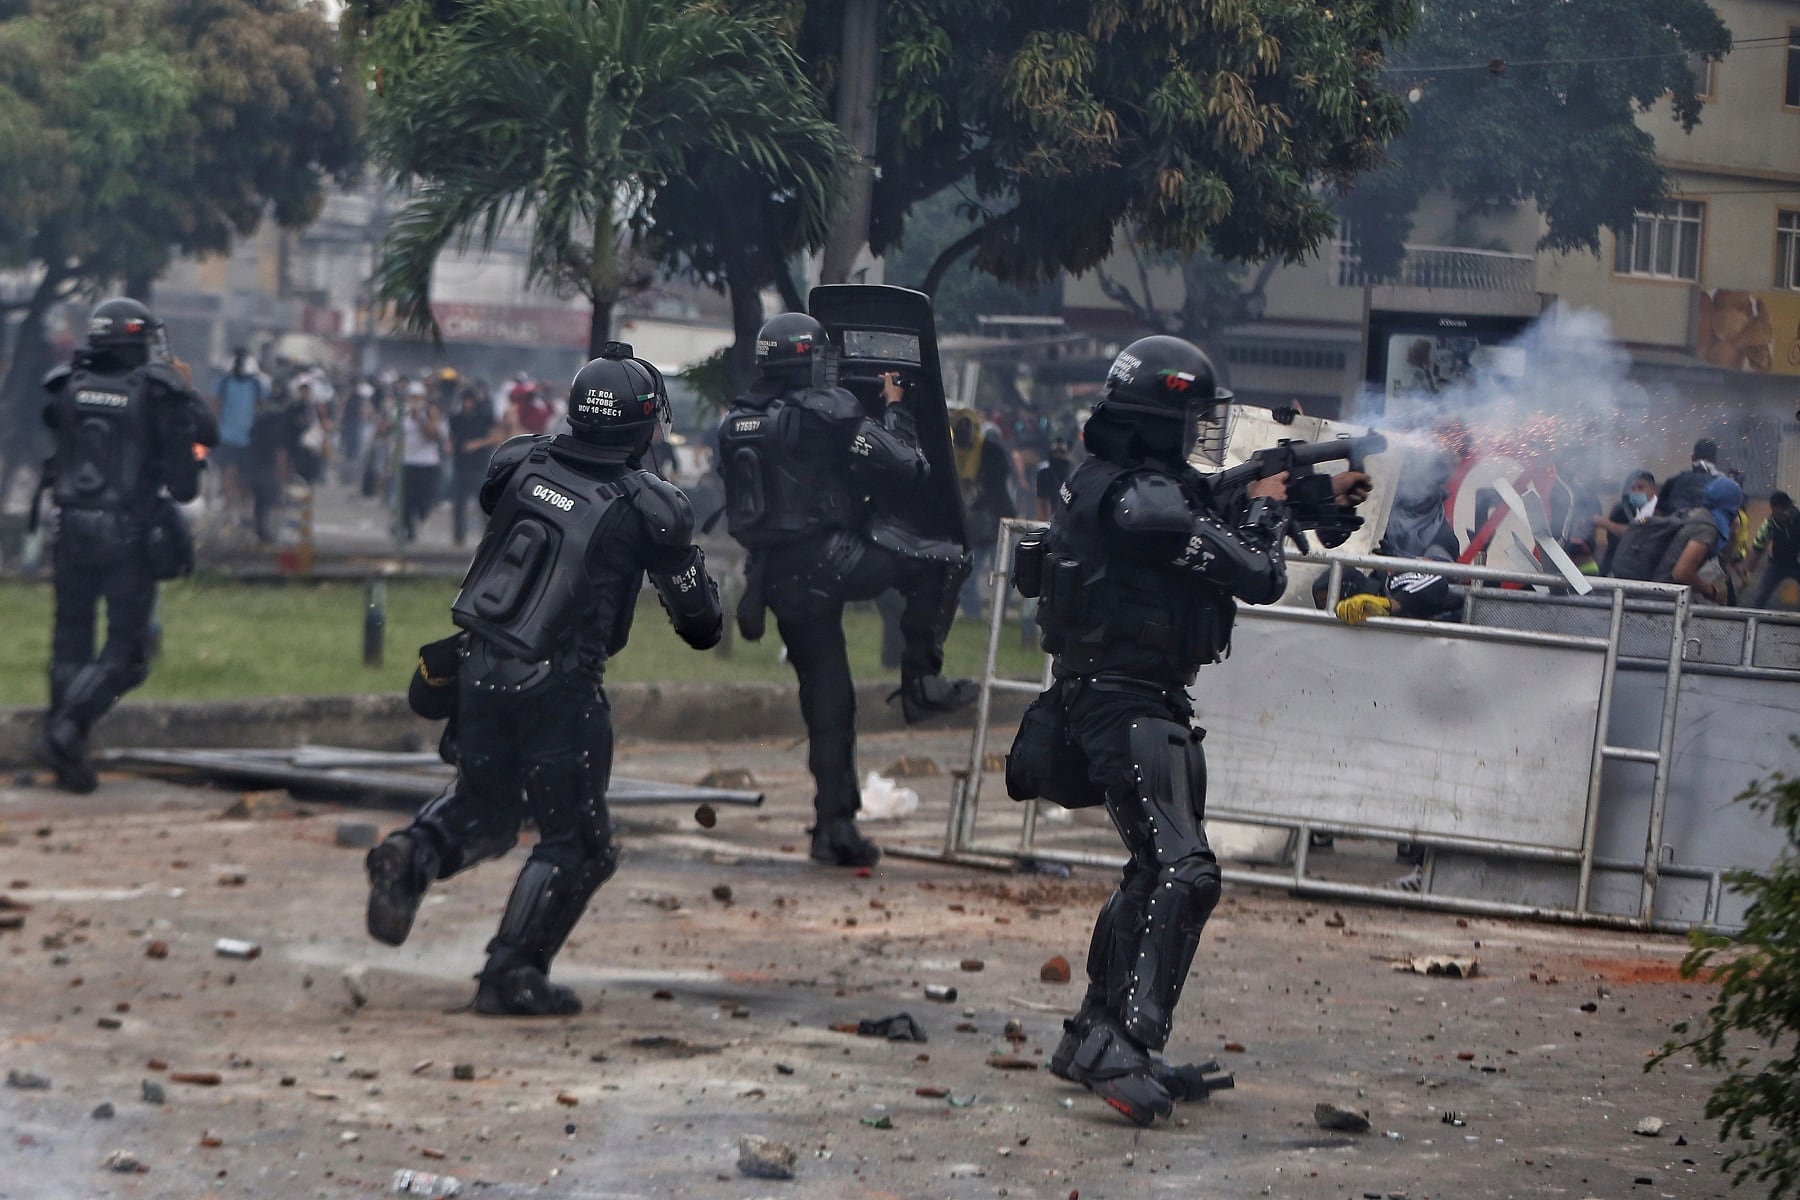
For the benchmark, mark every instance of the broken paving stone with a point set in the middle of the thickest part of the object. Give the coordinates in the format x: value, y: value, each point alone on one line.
x: 356, y: 983
x: 705, y: 817
x: 1011, y: 1062
x: 28, y: 1080
x: 1233, y: 1047
x: 567, y: 1100
x: 972, y: 964
x: 765, y: 1158
x: 1336, y: 1117
x: 211, y: 1141
x: 1056, y: 970
x: 152, y: 1092
x: 463, y: 1071
x: 722, y: 893
x: 1648, y: 1127
x: 1447, y: 966
x: 157, y: 949
x: 124, y: 1162
x: 357, y: 835
x: 931, y: 1093
x: 233, y: 948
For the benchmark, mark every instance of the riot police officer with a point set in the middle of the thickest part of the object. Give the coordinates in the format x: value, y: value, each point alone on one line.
x: 799, y: 463
x: 575, y: 524
x: 125, y: 419
x: 1136, y: 581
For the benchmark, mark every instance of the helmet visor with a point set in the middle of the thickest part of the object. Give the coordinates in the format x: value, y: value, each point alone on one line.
x: 1207, y: 430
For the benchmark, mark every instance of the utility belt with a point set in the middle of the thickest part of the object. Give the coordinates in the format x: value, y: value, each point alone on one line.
x: 1092, y: 608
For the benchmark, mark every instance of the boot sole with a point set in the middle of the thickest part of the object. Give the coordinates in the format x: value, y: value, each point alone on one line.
x: 1137, y: 1098
x: 392, y: 903
x: 72, y: 775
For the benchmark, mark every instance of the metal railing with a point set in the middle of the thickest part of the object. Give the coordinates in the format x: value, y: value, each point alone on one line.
x: 1622, y: 612
x: 1448, y: 267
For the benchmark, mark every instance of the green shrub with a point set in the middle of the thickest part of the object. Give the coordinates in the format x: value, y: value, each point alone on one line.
x: 1757, y: 971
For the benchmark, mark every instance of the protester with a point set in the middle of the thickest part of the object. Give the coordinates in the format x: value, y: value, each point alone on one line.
x: 473, y: 435
x: 421, y: 458
x: 1776, y: 548
x: 1704, y: 532
x: 1687, y: 489
x: 1637, y: 504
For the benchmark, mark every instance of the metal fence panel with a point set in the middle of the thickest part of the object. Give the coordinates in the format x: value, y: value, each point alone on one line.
x: 1393, y: 706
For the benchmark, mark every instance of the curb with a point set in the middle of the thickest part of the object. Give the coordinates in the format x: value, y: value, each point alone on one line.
x: 665, y: 712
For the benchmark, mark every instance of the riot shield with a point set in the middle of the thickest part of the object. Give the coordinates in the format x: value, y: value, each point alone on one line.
x: 874, y: 329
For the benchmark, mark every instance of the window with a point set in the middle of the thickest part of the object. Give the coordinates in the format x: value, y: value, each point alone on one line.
x: 1792, y: 96
x: 1706, y: 75
x: 1664, y: 244
x: 1787, y: 250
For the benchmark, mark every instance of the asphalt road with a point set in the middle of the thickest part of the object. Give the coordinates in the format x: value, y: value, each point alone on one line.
x: 710, y: 1018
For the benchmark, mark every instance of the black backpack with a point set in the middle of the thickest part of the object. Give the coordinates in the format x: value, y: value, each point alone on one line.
x: 1642, y: 547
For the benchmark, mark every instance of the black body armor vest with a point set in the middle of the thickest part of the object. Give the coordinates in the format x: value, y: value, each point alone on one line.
x: 1102, y: 612
x: 528, y: 590
x: 103, y: 441
x: 787, y: 467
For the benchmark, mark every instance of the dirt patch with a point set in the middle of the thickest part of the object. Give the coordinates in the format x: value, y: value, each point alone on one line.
x: 1638, y: 970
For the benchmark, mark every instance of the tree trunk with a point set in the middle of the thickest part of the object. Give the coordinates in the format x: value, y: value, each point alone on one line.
x: 860, y: 72
x: 22, y: 436
x: 743, y: 282
x: 603, y: 281
x: 141, y: 286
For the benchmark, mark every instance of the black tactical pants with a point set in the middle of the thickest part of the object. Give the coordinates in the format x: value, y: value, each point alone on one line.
x: 807, y: 587
x: 99, y: 556
x: 543, y: 751
x: 1145, y: 764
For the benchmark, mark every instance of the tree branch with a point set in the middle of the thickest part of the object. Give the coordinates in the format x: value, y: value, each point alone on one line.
x: 947, y: 257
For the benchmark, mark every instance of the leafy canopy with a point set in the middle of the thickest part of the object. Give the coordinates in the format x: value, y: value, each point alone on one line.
x: 575, y: 116
x: 132, y: 131
x: 1535, y: 101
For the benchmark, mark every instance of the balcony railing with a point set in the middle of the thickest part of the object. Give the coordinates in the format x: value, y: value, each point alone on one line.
x: 1445, y: 267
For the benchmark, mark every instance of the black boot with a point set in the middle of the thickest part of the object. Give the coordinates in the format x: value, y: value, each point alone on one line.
x: 929, y: 696
x: 400, y: 870
x: 62, y: 746
x: 1121, y: 1072
x: 523, y: 991
x: 837, y: 842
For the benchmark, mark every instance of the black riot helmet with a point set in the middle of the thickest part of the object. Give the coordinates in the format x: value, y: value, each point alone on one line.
x: 787, y: 344
x: 619, y: 400
x: 124, y: 329
x: 1166, y: 388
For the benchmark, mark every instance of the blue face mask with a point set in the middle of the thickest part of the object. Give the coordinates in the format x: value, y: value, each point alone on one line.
x: 1635, y: 501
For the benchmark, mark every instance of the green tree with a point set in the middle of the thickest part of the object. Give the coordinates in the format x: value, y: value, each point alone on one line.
x: 1757, y: 971
x: 133, y: 132
x: 1535, y: 101
x: 592, y: 120
x: 961, y: 294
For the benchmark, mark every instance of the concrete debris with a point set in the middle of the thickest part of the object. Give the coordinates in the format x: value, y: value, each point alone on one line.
x: 28, y: 1080
x: 157, y: 949
x: 972, y: 964
x: 567, y: 1100
x: 1338, y: 1118
x: 722, y: 893
x: 705, y: 816
x: 462, y: 1071
x: 152, y: 1092
x: 967, y: 1171
x: 1648, y: 1127
x: 103, y: 1111
x: 233, y: 948
x: 197, y: 1078
x: 356, y: 983
x: 941, y: 992
x: 765, y: 1158
x: 125, y: 1163
x: 898, y: 1028
x: 357, y: 835
x: 425, y: 1183
x: 1448, y: 966
x: 1056, y: 970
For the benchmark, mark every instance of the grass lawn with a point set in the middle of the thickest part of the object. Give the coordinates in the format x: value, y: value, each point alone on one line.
x: 223, y: 639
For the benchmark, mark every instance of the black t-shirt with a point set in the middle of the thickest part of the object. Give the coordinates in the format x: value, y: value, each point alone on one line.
x: 471, y: 425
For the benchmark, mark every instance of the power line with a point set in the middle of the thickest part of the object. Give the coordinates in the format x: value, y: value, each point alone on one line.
x: 1500, y: 65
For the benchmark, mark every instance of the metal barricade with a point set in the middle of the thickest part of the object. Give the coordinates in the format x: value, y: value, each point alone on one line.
x: 1643, y: 633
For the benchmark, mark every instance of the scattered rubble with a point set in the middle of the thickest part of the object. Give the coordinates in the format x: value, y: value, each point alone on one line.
x: 1448, y: 966
x: 152, y: 1092
x: 943, y: 993
x: 1336, y: 1117
x: 898, y: 1028
x: 705, y: 816
x: 356, y: 983
x: 1056, y: 970
x: 764, y: 1158
x: 462, y: 1071
x: 973, y: 964
x: 1011, y: 1062
x: 197, y: 1078
x: 125, y: 1163
x: 1649, y: 1127
x: 722, y: 893
x: 425, y: 1183
x: 233, y: 948
x: 103, y: 1111
x: 28, y: 1080
x: 157, y: 949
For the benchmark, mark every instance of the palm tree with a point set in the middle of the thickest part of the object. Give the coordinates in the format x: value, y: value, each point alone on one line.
x: 572, y: 115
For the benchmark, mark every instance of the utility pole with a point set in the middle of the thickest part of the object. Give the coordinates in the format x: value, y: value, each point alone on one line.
x: 859, y: 74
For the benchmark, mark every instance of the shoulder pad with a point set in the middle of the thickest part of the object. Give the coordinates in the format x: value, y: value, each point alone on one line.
x: 833, y: 404
x: 57, y: 376
x: 513, y: 450
x: 1151, y: 503
x: 167, y: 376
x: 665, y: 509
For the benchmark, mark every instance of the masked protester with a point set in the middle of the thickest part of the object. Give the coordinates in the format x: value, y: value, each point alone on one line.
x: 575, y: 523
x: 1137, y: 580
x: 126, y: 419
x: 799, y: 463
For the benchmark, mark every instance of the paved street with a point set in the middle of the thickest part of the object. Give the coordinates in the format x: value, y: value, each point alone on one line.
x: 714, y: 966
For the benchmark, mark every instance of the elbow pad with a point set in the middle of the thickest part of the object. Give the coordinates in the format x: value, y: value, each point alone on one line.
x: 886, y: 451
x: 691, y: 598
